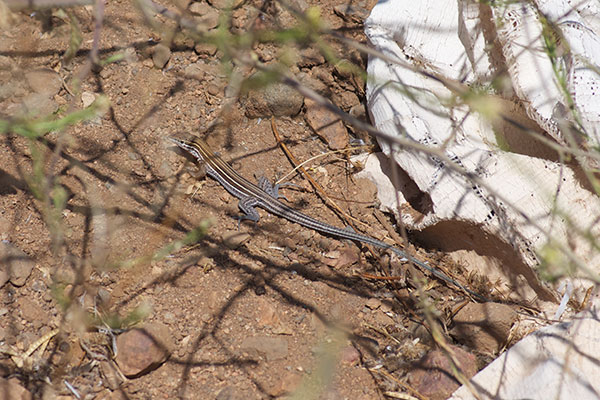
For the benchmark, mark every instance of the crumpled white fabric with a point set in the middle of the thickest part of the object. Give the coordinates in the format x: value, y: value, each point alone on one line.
x: 556, y: 362
x: 527, y: 195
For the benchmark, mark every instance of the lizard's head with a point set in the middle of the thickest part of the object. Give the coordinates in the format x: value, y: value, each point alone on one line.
x: 190, y: 146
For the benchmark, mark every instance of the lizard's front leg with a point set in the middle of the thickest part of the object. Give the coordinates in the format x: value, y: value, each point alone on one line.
x: 247, y: 205
x: 272, y: 190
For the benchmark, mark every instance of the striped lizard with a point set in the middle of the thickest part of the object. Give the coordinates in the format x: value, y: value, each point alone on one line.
x: 265, y: 195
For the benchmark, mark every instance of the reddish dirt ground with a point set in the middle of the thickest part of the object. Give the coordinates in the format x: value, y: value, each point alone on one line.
x: 255, y: 312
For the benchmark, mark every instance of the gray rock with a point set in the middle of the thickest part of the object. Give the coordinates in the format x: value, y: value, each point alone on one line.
x: 15, y: 265
x: 275, y: 99
x: 300, y: 5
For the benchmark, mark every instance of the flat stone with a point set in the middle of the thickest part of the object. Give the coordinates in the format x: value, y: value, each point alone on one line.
x: 32, y: 312
x: 327, y: 125
x: 373, y: 303
x: 44, y: 81
x: 11, y: 389
x: 271, y: 348
x: 267, y: 314
x: 143, y: 349
x: 15, y: 265
x: 235, y: 239
x: 324, y: 75
x: 300, y: 5
x: 103, y: 297
x: 339, y: 259
x: 432, y: 375
x: 40, y: 104
x: 275, y: 99
x: 161, y: 55
x: 484, y: 327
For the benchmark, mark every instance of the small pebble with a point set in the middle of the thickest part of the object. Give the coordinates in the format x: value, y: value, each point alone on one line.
x: 373, y: 303
x: 235, y: 239
x: 161, y: 55
x: 87, y: 98
x: 18, y: 267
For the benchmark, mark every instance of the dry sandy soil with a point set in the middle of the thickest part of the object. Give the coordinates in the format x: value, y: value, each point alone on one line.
x: 247, y: 312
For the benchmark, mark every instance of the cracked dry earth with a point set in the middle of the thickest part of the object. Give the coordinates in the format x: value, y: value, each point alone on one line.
x: 258, y: 311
